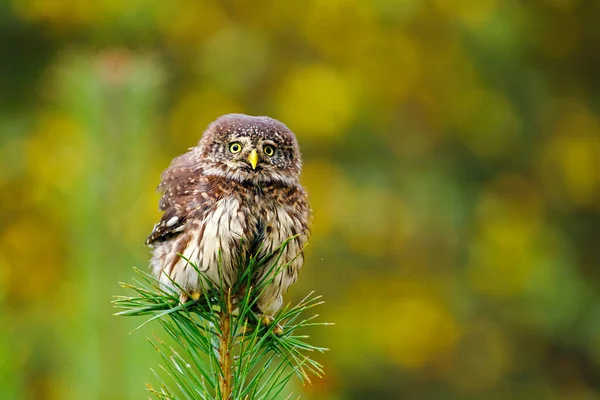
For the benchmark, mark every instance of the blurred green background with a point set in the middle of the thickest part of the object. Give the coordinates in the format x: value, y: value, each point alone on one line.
x: 452, y: 157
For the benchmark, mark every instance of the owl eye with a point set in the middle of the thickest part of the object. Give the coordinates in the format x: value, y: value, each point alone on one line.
x: 269, y: 150
x: 235, y: 147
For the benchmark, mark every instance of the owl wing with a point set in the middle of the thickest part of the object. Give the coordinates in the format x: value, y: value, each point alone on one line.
x: 186, y: 194
x: 172, y: 222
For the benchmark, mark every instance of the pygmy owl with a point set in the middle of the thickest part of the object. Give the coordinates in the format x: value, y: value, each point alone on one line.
x: 237, y: 194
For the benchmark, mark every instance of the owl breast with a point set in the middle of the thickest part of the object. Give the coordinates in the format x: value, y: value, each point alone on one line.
x: 237, y: 226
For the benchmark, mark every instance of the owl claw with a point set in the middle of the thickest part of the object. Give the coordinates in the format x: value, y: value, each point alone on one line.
x: 195, y: 295
x: 267, y: 320
x: 278, y: 330
x: 185, y: 297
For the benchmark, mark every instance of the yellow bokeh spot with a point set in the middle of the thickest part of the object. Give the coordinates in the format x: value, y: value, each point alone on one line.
x: 58, y: 153
x: 574, y: 153
x: 405, y: 320
x: 510, y: 215
x: 317, y: 100
x: 510, y: 211
x: 421, y: 330
x: 31, y: 257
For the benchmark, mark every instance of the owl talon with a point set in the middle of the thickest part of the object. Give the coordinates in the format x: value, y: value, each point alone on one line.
x: 278, y: 330
x: 195, y: 295
x: 183, y: 298
x: 267, y: 320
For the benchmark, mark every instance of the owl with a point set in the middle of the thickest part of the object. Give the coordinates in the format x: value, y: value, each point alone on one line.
x: 235, y: 195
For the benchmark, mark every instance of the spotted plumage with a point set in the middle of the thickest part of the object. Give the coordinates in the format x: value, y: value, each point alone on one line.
x: 237, y: 189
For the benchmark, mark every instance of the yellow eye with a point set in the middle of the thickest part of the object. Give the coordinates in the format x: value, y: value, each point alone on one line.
x: 235, y: 147
x: 269, y: 150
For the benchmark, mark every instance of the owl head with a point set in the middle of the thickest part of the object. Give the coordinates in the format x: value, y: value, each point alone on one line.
x: 250, y: 149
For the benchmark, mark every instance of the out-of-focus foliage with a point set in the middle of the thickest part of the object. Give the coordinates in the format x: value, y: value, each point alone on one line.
x: 452, y: 155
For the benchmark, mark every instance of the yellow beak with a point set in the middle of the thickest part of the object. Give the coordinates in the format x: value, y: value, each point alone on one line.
x: 253, y: 158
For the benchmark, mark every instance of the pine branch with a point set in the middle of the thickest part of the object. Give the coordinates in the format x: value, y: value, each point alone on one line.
x: 226, y: 351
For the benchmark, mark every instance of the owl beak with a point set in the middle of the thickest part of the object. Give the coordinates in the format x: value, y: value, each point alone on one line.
x: 253, y: 158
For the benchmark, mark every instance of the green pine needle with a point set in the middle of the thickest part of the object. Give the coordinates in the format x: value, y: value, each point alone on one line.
x: 257, y: 363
